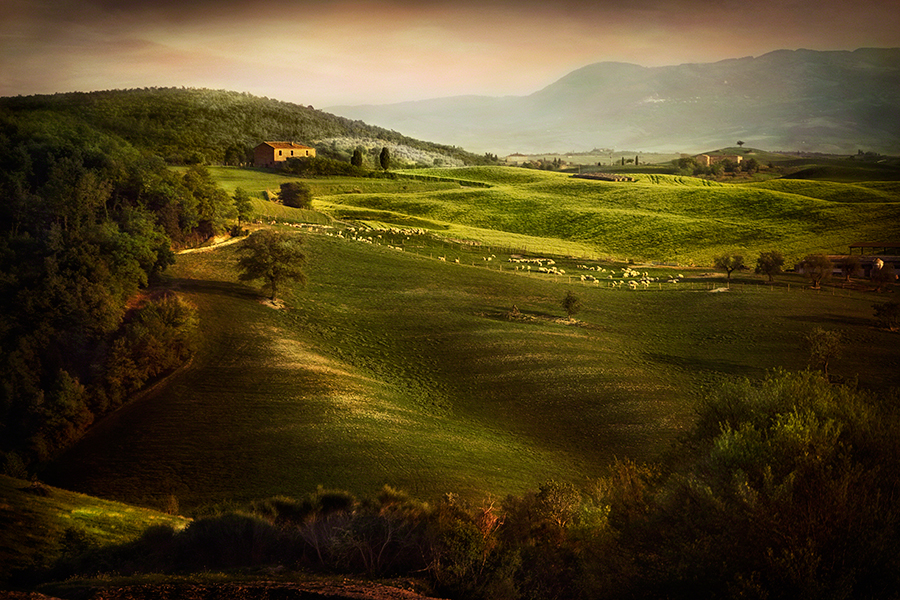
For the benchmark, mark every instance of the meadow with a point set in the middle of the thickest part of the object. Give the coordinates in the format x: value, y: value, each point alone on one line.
x: 658, y: 218
x: 435, y: 376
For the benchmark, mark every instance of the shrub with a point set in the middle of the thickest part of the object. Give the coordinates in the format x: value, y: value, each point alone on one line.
x: 296, y: 194
x: 229, y: 541
x: 789, y: 497
x: 571, y: 304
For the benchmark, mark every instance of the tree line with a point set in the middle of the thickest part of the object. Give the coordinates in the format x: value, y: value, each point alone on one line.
x: 88, y: 225
x: 817, y: 268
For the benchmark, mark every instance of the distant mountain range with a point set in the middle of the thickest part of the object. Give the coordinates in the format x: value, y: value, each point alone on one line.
x: 834, y: 102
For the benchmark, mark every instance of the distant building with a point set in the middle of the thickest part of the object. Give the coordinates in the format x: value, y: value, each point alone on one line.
x: 272, y: 154
x: 604, y: 176
x: 706, y: 160
x: 516, y: 159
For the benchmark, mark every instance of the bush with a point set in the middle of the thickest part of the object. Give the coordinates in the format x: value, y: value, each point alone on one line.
x: 883, y: 276
x: 296, y: 194
x: 229, y: 541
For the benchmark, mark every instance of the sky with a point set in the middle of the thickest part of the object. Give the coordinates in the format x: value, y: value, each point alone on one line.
x: 348, y: 52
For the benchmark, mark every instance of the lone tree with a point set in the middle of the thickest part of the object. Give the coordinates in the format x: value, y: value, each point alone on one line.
x: 740, y: 143
x: 817, y: 268
x: 730, y: 263
x: 385, y: 158
x: 242, y: 205
x: 850, y: 266
x: 571, y: 304
x: 823, y: 346
x: 296, y: 194
x: 273, y: 257
x: 769, y: 264
x: 357, y: 159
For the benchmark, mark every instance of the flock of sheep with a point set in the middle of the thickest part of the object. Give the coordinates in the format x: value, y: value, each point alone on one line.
x: 629, y: 277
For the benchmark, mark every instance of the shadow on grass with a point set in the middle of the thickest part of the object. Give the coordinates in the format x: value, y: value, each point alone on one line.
x: 834, y: 319
x: 711, y: 365
x: 217, y: 288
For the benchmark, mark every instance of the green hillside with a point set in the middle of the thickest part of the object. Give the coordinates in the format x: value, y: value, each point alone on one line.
x: 396, y: 367
x: 659, y: 218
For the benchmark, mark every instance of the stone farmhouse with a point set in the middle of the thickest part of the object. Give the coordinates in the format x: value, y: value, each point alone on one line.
x: 273, y: 154
x: 707, y: 160
x: 516, y: 159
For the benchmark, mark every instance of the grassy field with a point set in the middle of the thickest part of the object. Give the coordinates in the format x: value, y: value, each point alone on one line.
x: 445, y: 367
x: 659, y: 218
x: 396, y: 367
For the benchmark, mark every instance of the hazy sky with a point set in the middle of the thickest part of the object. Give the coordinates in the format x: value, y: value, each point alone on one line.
x: 325, y: 53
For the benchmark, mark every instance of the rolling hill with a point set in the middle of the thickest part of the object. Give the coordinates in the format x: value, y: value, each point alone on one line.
x: 189, y: 125
x: 835, y: 102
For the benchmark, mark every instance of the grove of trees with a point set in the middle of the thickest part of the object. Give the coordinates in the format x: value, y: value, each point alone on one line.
x: 88, y: 224
x: 194, y: 126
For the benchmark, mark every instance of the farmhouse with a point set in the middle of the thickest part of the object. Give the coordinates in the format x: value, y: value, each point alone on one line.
x: 272, y: 154
x: 707, y: 160
x: 604, y: 176
x: 869, y: 252
x: 516, y: 159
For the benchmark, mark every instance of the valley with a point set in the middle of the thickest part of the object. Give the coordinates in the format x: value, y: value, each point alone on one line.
x: 405, y: 367
x: 496, y: 382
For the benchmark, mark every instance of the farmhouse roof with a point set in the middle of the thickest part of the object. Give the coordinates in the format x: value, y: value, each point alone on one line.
x: 883, y: 246
x: 285, y: 145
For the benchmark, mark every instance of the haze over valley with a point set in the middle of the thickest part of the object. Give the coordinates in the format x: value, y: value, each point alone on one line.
x: 803, y: 100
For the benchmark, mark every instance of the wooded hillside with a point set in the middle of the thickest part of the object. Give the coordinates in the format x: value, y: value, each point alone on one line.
x: 186, y: 125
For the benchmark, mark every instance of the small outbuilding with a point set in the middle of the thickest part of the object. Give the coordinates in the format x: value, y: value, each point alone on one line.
x: 273, y: 154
